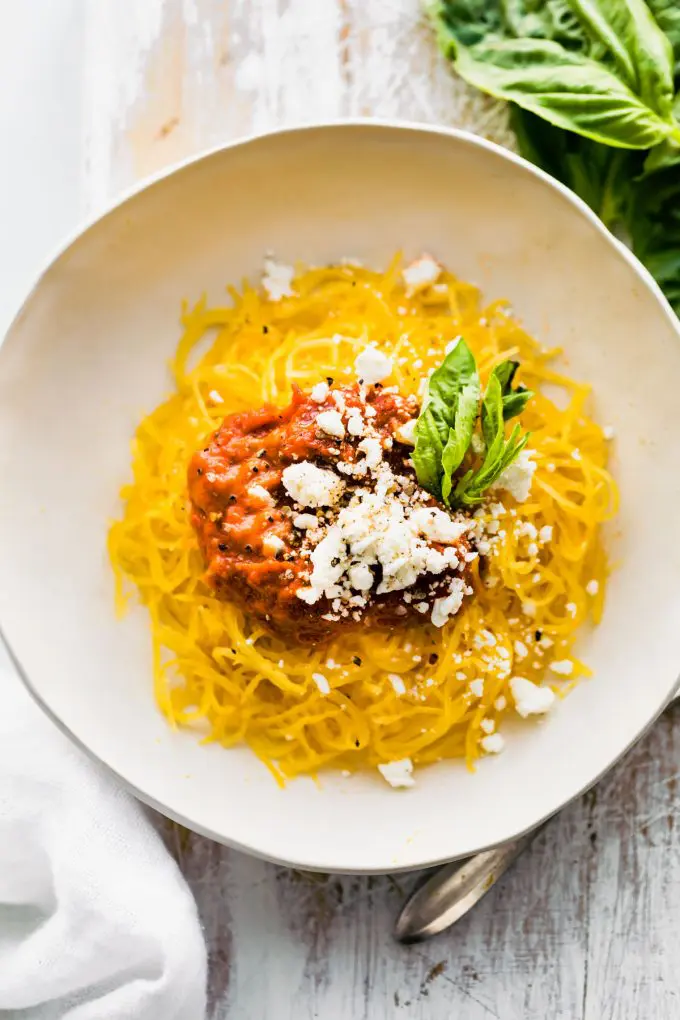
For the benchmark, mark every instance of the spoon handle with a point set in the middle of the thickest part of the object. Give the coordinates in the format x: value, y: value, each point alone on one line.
x: 454, y: 889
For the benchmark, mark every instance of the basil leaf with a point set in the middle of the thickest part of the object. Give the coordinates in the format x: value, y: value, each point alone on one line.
x: 567, y: 89
x: 499, y: 452
x: 427, y: 455
x: 653, y: 222
x: 514, y: 401
x: 454, y: 386
x: 457, y: 369
x: 460, y: 436
x: 448, y: 420
x: 667, y: 14
x: 641, y: 52
x: 572, y: 81
x: 492, y: 419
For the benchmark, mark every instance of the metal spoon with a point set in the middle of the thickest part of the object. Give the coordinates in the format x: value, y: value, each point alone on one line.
x: 452, y: 890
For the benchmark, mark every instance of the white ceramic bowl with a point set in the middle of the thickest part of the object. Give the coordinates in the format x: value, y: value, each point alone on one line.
x: 87, y: 355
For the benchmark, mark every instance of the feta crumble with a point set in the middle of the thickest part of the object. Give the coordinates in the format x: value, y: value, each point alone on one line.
x: 518, y: 476
x: 477, y: 687
x: 331, y: 423
x: 421, y: 273
x: 310, y: 485
x: 592, y: 587
x: 397, y: 683
x: 305, y: 521
x: 321, y: 682
x: 261, y: 494
x: 320, y: 392
x: 564, y: 667
x: 493, y: 743
x: 277, y: 279
x: 406, y: 433
x: 444, y: 608
x: 530, y: 699
x: 272, y: 544
x: 398, y: 774
x: 372, y: 366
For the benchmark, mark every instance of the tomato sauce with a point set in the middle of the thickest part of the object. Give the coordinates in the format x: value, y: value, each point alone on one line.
x: 243, y: 516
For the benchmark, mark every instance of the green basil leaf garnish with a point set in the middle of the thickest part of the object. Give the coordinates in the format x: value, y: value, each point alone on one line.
x: 447, y: 423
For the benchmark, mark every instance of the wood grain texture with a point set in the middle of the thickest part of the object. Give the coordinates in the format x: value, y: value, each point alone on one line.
x: 587, y: 925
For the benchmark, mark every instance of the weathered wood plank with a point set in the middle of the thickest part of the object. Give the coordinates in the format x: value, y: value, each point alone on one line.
x: 585, y: 926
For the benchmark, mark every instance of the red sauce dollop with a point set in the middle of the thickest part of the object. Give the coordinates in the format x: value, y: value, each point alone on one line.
x: 243, y: 515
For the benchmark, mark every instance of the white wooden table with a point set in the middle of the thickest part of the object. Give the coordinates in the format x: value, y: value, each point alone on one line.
x: 98, y: 93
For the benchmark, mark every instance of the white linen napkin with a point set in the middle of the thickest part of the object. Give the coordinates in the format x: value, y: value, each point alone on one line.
x: 96, y: 922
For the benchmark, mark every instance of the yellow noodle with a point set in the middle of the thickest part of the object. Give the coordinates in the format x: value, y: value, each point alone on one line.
x: 215, y: 668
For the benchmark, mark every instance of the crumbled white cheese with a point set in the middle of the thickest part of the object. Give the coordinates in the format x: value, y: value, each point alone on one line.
x: 273, y: 544
x: 215, y: 397
x: 277, y: 279
x: 321, y: 682
x: 564, y: 667
x: 320, y: 392
x: 310, y: 485
x: 376, y: 529
x: 397, y: 683
x: 530, y: 699
x: 356, y: 426
x: 361, y: 577
x: 576, y: 455
x: 406, y: 433
x: 592, y: 587
x: 545, y: 534
x: 518, y: 476
x: 493, y: 743
x: 521, y: 650
x: 571, y: 608
x: 608, y: 432
x: 529, y: 608
x: 330, y: 422
x: 373, y: 451
x: 488, y: 725
x: 372, y: 366
x: 422, y: 272
x: 260, y: 493
x: 477, y: 444
x: 444, y: 608
x: 398, y: 773
x: 437, y: 525
x: 500, y: 703
x: 477, y: 687
x: 305, y: 521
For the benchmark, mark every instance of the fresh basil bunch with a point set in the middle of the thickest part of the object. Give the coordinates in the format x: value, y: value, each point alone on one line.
x: 447, y: 422
x: 593, y: 85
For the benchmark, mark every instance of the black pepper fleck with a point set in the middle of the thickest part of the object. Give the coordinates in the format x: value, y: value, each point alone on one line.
x: 356, y: 660
x: 265, y: 329
x: 538, y: 635
x: 248, y: 548
x: 329, y: 380
x: 433, y: 658
x: 222, y: 546
x: 199, y: 471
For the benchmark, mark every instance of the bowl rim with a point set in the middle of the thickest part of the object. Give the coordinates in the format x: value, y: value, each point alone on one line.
x: 123, y: 198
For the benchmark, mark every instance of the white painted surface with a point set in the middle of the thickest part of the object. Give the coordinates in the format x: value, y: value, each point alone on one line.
x: 95, y: 94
